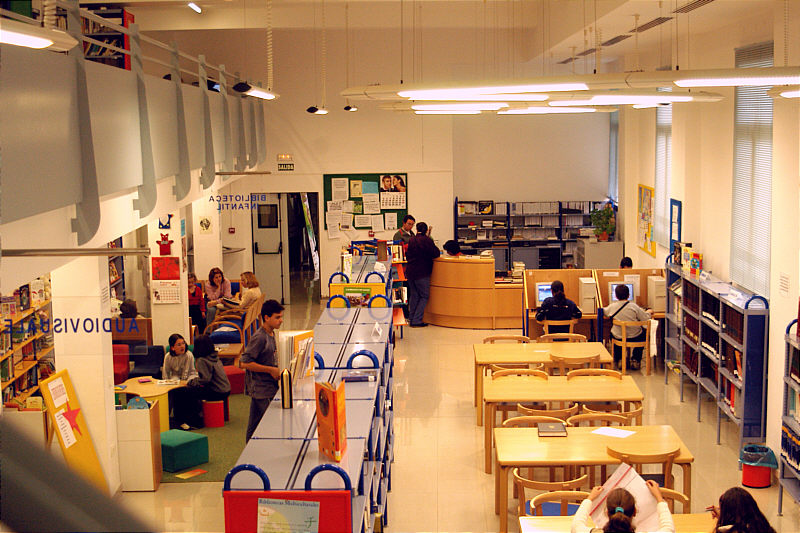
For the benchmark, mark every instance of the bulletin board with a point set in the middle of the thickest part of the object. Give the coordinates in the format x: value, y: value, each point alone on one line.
x: 644, y: 230
x: 365, y: 201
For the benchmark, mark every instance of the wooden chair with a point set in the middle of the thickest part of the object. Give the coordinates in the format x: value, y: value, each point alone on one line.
x: 625, y: 343
x: 592, y: 420
x: 562, y: 496
x: 513, y: 338
x: 561, y: 337
x: 665, y: 459
x: 529, y: 421
x: 521, y: 483
x: 530, y: 366
x: 567, y: 364
x: 630, y: 410
x: 593, y: 372
x: 671, y: 496
x: 561, y: 414
x: 547, y: 323
x: 505, y: 408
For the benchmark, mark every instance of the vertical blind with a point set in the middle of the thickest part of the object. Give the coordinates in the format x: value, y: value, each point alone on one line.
x: 752, y: 176
x: 663, y: 173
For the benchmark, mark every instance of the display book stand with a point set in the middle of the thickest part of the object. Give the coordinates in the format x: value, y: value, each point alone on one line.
x: 540, y: 234
x: 789, y: 461
x: 363, y: 283
x: 24, y: 341
x: 716, y: 338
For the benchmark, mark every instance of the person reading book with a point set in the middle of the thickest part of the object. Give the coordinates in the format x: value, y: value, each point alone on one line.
x: 217, y: 288
x: 738, y: 512
x: 261, y: 364
x: 558, y: 307
x: 249, y: 295
x: 621, y: 508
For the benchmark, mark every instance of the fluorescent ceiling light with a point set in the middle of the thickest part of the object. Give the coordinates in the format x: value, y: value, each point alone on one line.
x: 33, y: 36
x: 194, y: 7
x: 453, y: 112
x: 623, y: 99
x: 476, y: 92
x: 547, y: 110
x: 739, y: 81
x: 645, y: 106
x: 252, y: 90
x: 474, y: 106
x: 525, y: 97
x: 795, y: 93
x: 321, y: 111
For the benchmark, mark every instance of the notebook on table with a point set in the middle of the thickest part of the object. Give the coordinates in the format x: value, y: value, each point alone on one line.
x: 552, y: 429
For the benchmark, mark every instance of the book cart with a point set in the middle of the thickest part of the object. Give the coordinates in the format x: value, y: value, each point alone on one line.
x: 282, y: 461
x: 789, y: 461
x: 363, y: 283
x: 716, y: 336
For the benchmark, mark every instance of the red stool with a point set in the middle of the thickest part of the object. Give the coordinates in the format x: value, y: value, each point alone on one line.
x: 236, y: 378
x: 214, y: 414
x: 121, y: 362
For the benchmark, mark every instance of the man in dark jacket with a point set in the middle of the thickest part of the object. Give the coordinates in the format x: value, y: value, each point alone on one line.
x: 420, y: 255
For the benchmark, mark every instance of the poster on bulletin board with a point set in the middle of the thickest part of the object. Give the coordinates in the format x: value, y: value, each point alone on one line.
x: 364, y: 201
x: 644, y: 230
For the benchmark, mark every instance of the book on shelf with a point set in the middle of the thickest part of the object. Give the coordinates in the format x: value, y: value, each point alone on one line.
x: 485, y: 207
x: 24, y: 297
x: 331, y: 419
x: 500, y: 208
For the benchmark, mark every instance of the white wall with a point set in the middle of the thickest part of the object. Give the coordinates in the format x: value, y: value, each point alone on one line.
x: 530, y: 158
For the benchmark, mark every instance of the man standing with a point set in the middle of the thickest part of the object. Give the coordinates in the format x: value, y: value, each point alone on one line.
x: 261, y: 364
x: 404, y: 233
x: 420, y: 255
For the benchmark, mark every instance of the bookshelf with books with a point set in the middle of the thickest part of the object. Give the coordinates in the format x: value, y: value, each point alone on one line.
x: 26, y: 340
x: 107, y: 35
x: 539, y: 234
x: 789, y: 461
x: 116, y: 270
x: 716, y: 339
x: 399, y: 282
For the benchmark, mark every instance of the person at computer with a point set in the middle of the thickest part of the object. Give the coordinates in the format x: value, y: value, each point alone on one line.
x: 558, y: 307
x: 626, y: 262
x: 626, y: 310
x: 452, y: 248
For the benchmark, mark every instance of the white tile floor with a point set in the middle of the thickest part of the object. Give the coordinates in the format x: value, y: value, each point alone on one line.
x: 439, y: 483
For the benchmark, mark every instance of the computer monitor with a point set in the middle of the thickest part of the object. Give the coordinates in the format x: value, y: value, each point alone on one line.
x: 612, y: 287
x: 543, y: 291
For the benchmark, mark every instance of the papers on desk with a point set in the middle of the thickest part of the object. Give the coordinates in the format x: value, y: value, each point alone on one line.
x: 613, y: 432
x: 168, y: 382
x: 221, y: 346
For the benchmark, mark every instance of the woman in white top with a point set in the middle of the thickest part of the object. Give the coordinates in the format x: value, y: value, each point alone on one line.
x: 621, y: 508
x: 179, y: 362
x: 250, y: 294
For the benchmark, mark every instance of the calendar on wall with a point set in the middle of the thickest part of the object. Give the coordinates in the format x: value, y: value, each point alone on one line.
x: 165, y: 292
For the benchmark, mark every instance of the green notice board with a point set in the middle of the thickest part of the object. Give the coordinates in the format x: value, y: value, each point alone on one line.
x: 364, y: 197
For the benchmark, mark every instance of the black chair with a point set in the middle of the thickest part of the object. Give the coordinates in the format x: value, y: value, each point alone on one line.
x: 147, y: 363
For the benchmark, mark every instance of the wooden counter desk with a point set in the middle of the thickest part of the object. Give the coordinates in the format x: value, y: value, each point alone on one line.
x: 464, y: 294
x: 521, y: 353
x: 522, y: 447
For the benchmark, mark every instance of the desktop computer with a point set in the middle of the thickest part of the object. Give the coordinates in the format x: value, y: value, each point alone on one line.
x: 587, y: 295
x: 656, y: 293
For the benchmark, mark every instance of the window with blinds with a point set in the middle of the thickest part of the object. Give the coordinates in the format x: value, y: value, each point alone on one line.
x: 662, y: 174
x: 752, y: 176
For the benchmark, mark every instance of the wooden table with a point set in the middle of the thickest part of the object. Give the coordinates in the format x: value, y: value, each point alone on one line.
x: 522, y: 447
x: 153, y: 391
x: 527, y: 353
x: 230, y: 351
x: 525, y: 389
x: 684, y: 523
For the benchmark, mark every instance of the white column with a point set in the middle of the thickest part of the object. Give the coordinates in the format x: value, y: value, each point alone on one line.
x: 81, y: 299
x: 207, y: 240
x: 168, y: 318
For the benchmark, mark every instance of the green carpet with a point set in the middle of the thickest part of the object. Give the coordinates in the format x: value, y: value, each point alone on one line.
x: 225, y: 444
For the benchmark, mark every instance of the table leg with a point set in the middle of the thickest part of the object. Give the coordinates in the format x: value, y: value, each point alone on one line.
x: 475, y: 388
x: 502, y: 476
x: 687, y: 485
x: 479, y: 394
x: 488, y: 426
x: 163, y: 410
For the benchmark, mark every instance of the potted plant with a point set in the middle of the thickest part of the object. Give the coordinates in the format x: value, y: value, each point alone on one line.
x: 604, y: 222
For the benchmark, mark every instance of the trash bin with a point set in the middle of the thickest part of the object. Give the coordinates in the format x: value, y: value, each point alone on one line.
x: 757, y: 463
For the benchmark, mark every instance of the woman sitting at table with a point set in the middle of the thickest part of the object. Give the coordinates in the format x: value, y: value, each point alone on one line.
x: 558, y: 307
x: 738, y: 512
x: 621, y: 508
x: 250, y: 294
x: 217, y: 288
x: 179, y: 364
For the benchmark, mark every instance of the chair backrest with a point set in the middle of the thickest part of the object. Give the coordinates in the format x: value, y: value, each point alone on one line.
x: 672, y: 496
x: 561, y: 337
x: 565, y: 364
x: 522, y: 483
x: 513, y: 366
x: 563, y: 496
x: 665, y: 459
x: 511, y: 338
x: 593, y: 372
x: 616, y: 408
x: 519, y: 372
x: 625, y: 324
x: 529, y: 421
x: 561, y: 414
x: 546, y: 324
x: 597, y: 419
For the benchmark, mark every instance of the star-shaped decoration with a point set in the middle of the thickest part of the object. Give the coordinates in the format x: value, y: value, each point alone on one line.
x: 72, y: 417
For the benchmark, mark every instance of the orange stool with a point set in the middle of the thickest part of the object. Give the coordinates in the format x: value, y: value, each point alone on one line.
x: 236, y: 378
x: 214, y: 414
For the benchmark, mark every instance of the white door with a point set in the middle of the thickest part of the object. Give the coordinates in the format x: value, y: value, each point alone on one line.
x: 268, y: 247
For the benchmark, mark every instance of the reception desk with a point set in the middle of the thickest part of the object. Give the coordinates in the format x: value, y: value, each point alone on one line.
x: 464, y: 295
